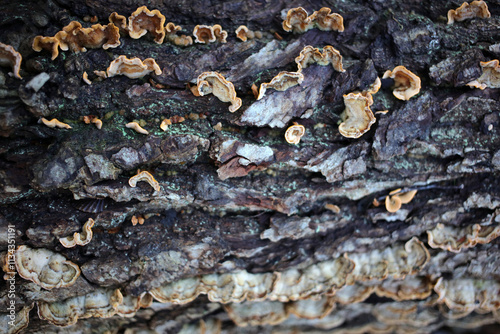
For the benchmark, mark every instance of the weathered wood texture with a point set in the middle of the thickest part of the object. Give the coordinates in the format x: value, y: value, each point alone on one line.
x: 236, y: 196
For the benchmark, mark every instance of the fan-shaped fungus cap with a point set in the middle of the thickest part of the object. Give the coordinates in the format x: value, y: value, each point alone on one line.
x: 358, y: 115
x: 393, y: 203
x: 133, y: 68
x: 204, y: 34
x: 146, y: 177
x: 406, y: 83
x: 243, y: 33
x: 325, y: 20
x: 119, y: 20
x: 215, y: 83
x: 490, y: 78
x: 48, y: 43
x: 10, y: 57
x: 310, y: 55
x: 281, y: 82
x: 80, y: 239
x: 220, y: 35
x: 143, y: 20
x: 298, y: 21
x: 45, y: 268
x: 294, y: 133
x: 171, y: 30
x: 469, y: 11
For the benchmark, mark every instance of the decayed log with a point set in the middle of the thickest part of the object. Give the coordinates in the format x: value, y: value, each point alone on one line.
x: 229, y: 228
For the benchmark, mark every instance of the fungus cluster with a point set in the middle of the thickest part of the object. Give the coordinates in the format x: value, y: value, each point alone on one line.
x: 10, y: 57
x: 244, y: 34
x: 396, y: 198
x: 406, y: 83
x: 454, y: 239
x: 209, y: 34
x: 298, y: 21
x: 94, y: 120
x: 311, y: 55
x: 78, y: 39
x: 468, y: 11
x: 490, y: 78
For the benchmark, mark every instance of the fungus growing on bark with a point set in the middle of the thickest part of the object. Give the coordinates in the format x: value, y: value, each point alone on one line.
x: 135, y: 126
x: 101, y: 303
x: 209, y: 34
x: 244, y: 34
x: 131, y: 304
x: 54, y: 123
x: 143, y: 21
x: 454, y: 239
x: 298, y: 21
x: 93, y: 119
x: 409, y: 288
x: 490, y: 78
x: 395, y: 199
x: 357, y: 117
x: 281, y: 82
x: 137, y: 220
x: 133, y: 68
x: 294, y: 133
x: 256, y: 314
x: 80, y: 239
x: 79, y: 39
x: 45, y: 268
x: 311, y: 308
x: 85, y: 78
x: 10, y: 57
x: 165, y: 123
x: 469, y: 11
x: 311, y: 55
x: 146, y: 177
x: 47, y: 43
x: 171, y: 34
x: 406, y: 83
x: 119, y: 20
x: 215, y: 83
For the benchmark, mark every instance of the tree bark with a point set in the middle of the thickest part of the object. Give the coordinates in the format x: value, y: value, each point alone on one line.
x: 239, y: 206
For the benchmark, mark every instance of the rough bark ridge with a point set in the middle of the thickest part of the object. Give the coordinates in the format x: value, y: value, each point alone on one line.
x: 246, y: 229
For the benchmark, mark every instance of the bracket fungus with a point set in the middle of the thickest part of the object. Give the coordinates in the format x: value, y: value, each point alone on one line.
x: 171, y: 34
x: 208, y: 34
x: 469, y: 11
x: 406, y: 83
x: 298, y: 21
x: 94, y: 120
x: 244, y: 34
x: 80, y: 239
x: 10, y: 57
x: 100, y: 303
x: 294, y: 133
x: 281, y: 82
x: 51, y: 44
x: 137, y: 128
x: 396, y: 198
x: 45, y: 268
x: 119, y: 20
x: 54, y: 123
x: 146, y: 177
x: 215, y: 83
x: 143, y: 21
x: 490, y: 78
x: 311, y: 55
x: 357, y: 117
x: 454, y: 239
x: 133, y: 68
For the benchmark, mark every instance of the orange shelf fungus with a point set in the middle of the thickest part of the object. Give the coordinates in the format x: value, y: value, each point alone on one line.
x: 406, y: 83
x: 395, y: 199
x: 165, y: 123
x: 119, y: 20
x: 298, y: 21
x: 244, y: 34
x: 143, y: 21
x: 80, y: 239
x: 51, y: 44
x: 45, y: 268
x: 146, y: 177
x: 135, y: 126
x: 215, y: 83
x: 137, y: 220
x: 294, y: 133
x: 454, y: 239
x: 94, y: 120
x: 10, y: 57
x: 357, y: 117
x: 133, y: 68
x: 281, y: 82
x: 85, y: 78
x: 208, y: 34
x: 311, y: 55
x: 54, y: 123
x: 469, y: 11
x: 490, y: 78
x: 171, y: 34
